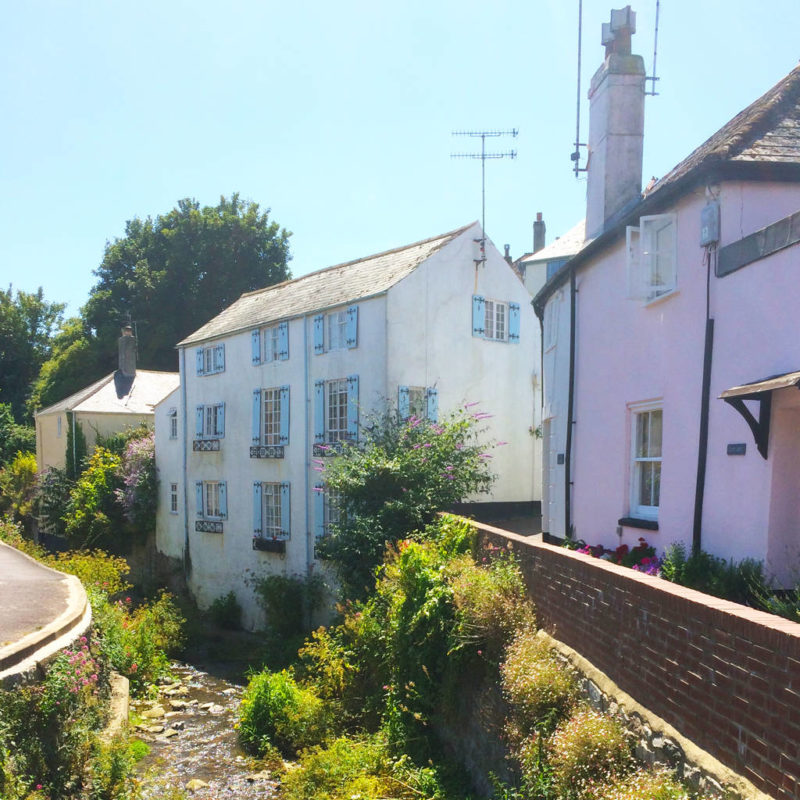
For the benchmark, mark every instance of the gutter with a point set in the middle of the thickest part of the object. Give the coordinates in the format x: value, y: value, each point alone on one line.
x: 306, y: 441
x: 570, y: 410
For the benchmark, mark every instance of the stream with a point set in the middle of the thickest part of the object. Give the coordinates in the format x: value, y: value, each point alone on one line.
x: 193, y: 743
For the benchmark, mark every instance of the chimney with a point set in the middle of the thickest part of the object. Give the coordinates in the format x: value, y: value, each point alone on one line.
x: 539, y: 230
x: 616, y: 126
x: 127, y: 351
x: 507, y: 256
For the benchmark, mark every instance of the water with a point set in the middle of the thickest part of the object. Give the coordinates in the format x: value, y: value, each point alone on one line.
x: 205, y: 746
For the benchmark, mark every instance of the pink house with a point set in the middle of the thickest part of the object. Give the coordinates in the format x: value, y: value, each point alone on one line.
x: 671, y: 339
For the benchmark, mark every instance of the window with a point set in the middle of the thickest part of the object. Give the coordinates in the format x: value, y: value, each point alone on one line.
x: 173, y: 498
x: 336, y: 330
x: 646, y: 462
x: 212, y: 499
x: 335, y: 412
x: 328, y: 510
x: 210, y: 421
x: 271, y: 511
x: 271, y: 344
x: 58, y: 427
x: 551, y: 321
x: 651, y: 254
x: 270, y: 424
x: 495, y: 320
x: 210, y: 359
x: 418, y: 401
x: 172, y: 416
x: 554, y: 266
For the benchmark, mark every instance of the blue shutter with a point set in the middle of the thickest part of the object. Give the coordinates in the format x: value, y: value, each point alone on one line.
x: 198, y: 495
x: 220, y: 412
x: 283, y: 341
x: 257, y: 508
x: 433, y: 404
x: 513, y: 323
x: 256, y: 423
x: 478, y: 315
x: 199, y: 359
x: 223, y: 499
x: 352, y: 327
x: 255, y: 339
x: 352, y: 408
x: 284, y: 412
x: 286, y: 511
x: 403, y: 407
x: 319, y: 411
x: 319, y: 509
x: 198, y: 422
x: 319, y: 334
x: 219, y: 358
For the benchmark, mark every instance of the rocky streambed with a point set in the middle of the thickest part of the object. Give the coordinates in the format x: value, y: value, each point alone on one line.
x: 193, y: 742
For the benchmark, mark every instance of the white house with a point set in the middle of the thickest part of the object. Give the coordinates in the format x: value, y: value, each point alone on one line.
x: 286, y: 374
x: 670, y: 339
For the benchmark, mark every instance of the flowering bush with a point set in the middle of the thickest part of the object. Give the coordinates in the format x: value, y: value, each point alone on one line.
x: 137, y: 496
x: 642, y: 557
x: 644, y: 785
x: 393, y: 484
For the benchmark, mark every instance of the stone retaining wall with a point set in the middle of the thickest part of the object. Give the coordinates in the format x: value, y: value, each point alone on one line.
x: 725, y: 676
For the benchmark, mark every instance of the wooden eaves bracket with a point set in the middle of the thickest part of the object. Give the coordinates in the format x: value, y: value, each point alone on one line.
x: 759, y: 427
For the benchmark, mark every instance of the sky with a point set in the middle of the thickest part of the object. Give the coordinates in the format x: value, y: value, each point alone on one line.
x: 336, y: 116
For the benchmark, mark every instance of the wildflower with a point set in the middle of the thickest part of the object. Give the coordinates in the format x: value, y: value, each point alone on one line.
x: 501, y: 444
x: 83, y: 640
x: 128, y: 600
x: 473, y: 403
x: 134, y: 667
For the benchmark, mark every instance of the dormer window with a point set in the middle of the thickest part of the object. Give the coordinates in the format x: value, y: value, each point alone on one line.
x: 652, y: 258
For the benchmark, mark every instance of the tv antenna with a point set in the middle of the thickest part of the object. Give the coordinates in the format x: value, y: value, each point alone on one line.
x: 652, y: 78
x: 484, y: 156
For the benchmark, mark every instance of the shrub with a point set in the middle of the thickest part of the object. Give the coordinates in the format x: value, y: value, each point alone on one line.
x: 95, y: 569
x: 18, y: 482
x: 52, y: 496
x: 540, y: 690
x: 359, y: 768
x: 276, y: 711
x: 588, y: 750
x: 225, y: 612
x: 644, y: 785
x: 138, y: 494
x: 393, y: 483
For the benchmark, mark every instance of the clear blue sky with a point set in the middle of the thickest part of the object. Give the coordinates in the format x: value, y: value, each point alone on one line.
x: 337, y: 116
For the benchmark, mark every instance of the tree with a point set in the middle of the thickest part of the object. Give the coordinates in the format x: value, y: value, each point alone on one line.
x: 27, y: 324
x: 13, y: 437
x: 174, y: 273
x: 393, y: 485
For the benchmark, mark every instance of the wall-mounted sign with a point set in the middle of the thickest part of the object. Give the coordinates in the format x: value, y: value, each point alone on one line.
x: 560, y: 458
x: 737, y: 449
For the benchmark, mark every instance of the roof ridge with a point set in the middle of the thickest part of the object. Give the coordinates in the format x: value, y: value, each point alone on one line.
x: 449, y: 235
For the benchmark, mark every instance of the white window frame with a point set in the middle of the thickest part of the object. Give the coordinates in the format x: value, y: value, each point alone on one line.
x: 271, y: 343
x: 652, y: 261
x: 210, y: 422
x: 496, y: 320
x: 551, y: 314
x: 173, y: 498
x: 639, y: 462
x: 211, y: 505
x: 418, y: 402
x: 58, y: 427
x: 272, y: 512
x: 271, y: 417
x: 172, y: 416
x: 213, y: 357
x: 336, y: 404
x: 336, y: 329
x: 332, y: 503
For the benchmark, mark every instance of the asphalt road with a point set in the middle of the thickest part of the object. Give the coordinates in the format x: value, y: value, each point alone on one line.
x: 31, y: 596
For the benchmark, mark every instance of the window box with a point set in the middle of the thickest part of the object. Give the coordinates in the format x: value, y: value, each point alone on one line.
x: 266, y: 451
x: 207, y: 526
x: 269, y: 545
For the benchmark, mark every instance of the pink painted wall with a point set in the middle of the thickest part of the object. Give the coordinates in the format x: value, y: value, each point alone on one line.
x: 629, y: 353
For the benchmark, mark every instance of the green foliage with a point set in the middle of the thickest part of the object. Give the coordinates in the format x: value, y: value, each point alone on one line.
x: 138, y: 495
x: 644, y: 785
x: 540, y: 690
x: 784, y: 604
x: 289, y: 602
x: 588, y: 749
x: 118, y: 442
x: 741, y: 582
x: 359, y: 768
x: 276, y: 711
x: 95, y: 569
x: 75, y: 451
x: 138, y: 641
x: 14, y: 438
x: 27, y: 324
x: 394, y: 483
x: 92, y: 516
x: 225, y: 612
x: 18, y: 485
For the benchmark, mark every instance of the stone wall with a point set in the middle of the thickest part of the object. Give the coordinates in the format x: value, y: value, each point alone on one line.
x: 726, y: 677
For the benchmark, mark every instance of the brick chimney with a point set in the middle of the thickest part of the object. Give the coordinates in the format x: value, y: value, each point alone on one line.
x: 616, y: 126
x: 539, y: 230
x: 127, y: 351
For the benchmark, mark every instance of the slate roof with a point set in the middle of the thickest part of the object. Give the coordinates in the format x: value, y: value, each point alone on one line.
x: 325, y: 288
x: 767, y: 131
x: 116, y: 394
x: 564, y: 246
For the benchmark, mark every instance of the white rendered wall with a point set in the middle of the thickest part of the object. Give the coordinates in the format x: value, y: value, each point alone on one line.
x: 170, y: 531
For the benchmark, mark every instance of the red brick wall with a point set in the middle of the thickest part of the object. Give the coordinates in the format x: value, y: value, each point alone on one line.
x: 726, y: 676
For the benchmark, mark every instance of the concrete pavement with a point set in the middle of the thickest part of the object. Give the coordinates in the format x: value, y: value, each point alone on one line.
x: 41, y: 611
